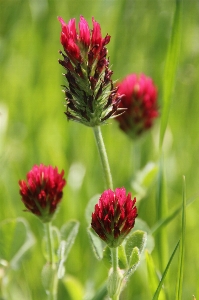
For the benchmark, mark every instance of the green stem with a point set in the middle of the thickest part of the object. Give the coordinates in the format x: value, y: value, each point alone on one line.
x: 114, y: 255
x: 115, y: 297
x: 103, y: 157
x: 52, y: 292
x: 49, y: 241
x: 115, y: 279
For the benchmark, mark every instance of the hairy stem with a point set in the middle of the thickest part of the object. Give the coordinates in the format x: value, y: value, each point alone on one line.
x: 52, y: 292
x: 103, y: 157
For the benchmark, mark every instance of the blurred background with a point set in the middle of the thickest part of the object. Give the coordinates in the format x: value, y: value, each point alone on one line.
x: 34, y: 129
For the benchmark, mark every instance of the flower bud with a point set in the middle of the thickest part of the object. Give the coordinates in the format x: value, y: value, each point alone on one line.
x: 90, y: 96
x: 114, y: 216
x: 140, y: 101
x: 42, y: 191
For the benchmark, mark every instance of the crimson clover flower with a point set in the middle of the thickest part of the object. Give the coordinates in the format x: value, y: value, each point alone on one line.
x: 90, y: 95
x: 42, y: 191
x: 140, y: 101
x: 114, y: 216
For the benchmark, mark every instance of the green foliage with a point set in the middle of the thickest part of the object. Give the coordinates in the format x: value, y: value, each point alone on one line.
x: 48, y: 276
x: 137, y: 239
x: 182, y: 246
x: 171, y: 67
x: 129, y: 251
x: 68, y: 234
x: 74, y: 287
x: 62, y: 241
x: 33, y: 129
x: 16, y: 239
x: 96, y: 244
x: 144, y: 179
x: 157, y: 292
x: 153, y: 277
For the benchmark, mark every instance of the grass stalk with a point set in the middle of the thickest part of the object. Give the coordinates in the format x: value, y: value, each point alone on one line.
x: 182, y: 245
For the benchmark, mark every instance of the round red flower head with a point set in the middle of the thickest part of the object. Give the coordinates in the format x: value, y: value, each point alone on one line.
x: 114, y: 216
x: 140, y: 101
x: 91, y: 97
x: 42, y: 191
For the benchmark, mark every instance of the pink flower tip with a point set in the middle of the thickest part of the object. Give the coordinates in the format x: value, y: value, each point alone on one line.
x: 140, y: 101
x: 61, y: 21
x: 41, y: 192
x: 114, y: 216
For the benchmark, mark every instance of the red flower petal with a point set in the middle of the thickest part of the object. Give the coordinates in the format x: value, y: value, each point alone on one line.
x: 114, y: 216
x: 42, y: 191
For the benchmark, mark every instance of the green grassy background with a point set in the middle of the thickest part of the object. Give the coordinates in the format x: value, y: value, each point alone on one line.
x: 34, y: 129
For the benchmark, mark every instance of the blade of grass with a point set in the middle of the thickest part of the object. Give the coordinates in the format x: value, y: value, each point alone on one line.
x: 171, y: 67
x: 182, y: 245
x: 162, y: 223
x: 153, y: 276
x: 156, y: 295
x: 161, y: 204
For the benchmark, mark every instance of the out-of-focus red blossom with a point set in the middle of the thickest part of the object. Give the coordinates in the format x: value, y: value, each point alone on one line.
x: 114, y: 216
x: 140, y: 101
x: 41, y: 192
x: 91, y: 97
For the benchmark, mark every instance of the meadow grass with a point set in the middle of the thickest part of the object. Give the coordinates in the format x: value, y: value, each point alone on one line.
x: 34, y: 130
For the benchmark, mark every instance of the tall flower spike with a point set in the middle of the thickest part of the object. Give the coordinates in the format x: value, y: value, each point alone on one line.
x: 114, y: 216
x: 42, y: 191
x: 140, y: 101
x: 90, y: 96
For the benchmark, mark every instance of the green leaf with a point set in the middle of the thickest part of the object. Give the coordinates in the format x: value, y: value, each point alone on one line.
x: 122, y: 259
x: 153, y: 276
x: 16, y: 239
x: 15, y: 290
x: 107, y: 257
x: 163, y: 222
x: 48, y: 276
x: 135, y: 257
x: 133, y: 262
x: 142, y: 225
x: 137, y: 239
x: 143, y: 179
x: 162, y: 209
x: 156, y: 295
x: 56, y: 237
x: 68, y: 234
x: 62, y: 258
x: 123, y: 263
x: 182, y: 246
x: 90, y: 208
x: 74, y: 287
x: 96, y: 243
x: 171, y: 67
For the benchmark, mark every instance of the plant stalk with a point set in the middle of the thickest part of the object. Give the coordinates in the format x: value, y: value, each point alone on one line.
x: 52, y: 292
x: 114, y: 280
x: 114, y: 256
x: 103, y: 157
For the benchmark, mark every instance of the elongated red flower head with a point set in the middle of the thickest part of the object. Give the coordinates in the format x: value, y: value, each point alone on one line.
x: 42, y: 191
x: 140, y: 101
x: 114, y: 216
x: 90, y: 96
